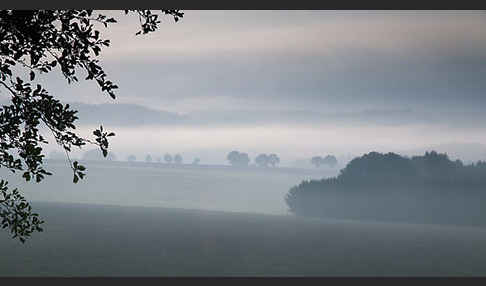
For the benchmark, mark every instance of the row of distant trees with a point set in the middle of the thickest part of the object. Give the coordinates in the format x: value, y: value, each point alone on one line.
x: 168, y: 158
x: 236, y: 158
x: 328, y: 160
x: 95, y: 155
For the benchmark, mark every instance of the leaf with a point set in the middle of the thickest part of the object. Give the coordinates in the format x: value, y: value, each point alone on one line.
x: 75, y: 178
x: 32, y: 75
x: 26, y: 175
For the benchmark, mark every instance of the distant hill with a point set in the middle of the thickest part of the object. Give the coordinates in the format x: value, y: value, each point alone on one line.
x: 124, y: 114
x: 132, y: 114
x: 120, y: 114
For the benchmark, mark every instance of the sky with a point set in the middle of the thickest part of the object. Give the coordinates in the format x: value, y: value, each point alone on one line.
x: 300, y: 83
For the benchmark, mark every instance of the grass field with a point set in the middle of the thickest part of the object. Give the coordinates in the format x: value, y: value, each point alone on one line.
x: 95, y: 240
x: 148, y: 220
x: 196, y: 187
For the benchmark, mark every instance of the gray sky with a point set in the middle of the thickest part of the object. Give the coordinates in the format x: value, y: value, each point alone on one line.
x: 299, y: 82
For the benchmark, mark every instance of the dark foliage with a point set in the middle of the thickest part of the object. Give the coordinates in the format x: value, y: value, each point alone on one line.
x: 37, y: 42
x: 375, y: 176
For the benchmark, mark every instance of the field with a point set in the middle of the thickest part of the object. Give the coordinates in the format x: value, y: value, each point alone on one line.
x: 95, y: 240
x: 158, y: 220
x: 193, y: 187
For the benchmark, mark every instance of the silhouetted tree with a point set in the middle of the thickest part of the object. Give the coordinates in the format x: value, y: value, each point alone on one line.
x: 168, y: 158
x: 243, y: 159
x: 196, y: 161
x: 262, y: 160
x: 232, y: 157
x: 238, y: 159
x: 34, y: 42
x: 330, y: 160
x: 131, y: 158
x: 316, y: 161
x: 273, y: 160
x: 148, y: 158
x: 178, y: 159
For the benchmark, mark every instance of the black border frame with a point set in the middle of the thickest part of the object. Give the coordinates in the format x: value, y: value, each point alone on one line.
x: 246, y: 5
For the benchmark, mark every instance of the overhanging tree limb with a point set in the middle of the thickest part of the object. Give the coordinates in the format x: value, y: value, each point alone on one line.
x: 33, y: 42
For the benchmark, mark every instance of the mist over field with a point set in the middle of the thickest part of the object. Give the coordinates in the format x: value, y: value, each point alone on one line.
x: 222, y: 188
x: 271, y: 143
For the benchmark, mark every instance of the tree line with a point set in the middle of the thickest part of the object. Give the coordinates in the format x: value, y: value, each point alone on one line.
x: 95, y: 155
x: 235, y: 158
x: 381, y: 174
x: 168, y: 158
